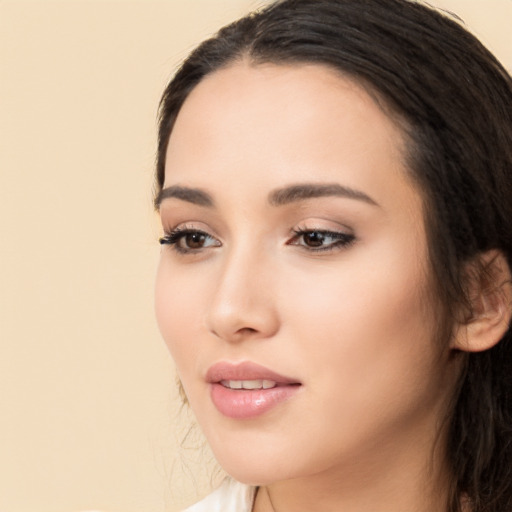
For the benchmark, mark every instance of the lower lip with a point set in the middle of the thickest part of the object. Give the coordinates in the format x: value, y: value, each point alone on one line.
x: 249, y: 403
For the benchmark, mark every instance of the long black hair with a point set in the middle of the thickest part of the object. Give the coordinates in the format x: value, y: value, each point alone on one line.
x: 453, y: 100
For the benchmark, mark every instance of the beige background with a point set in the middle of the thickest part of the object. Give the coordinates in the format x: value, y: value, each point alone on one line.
x: 87, y: 396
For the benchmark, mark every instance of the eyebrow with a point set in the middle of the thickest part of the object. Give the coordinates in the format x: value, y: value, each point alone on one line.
x: 279, y: 197
x: 190, y: 195
x: 305, y: 191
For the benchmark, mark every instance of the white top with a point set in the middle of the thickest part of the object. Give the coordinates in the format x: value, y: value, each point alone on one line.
x: 231, y: 496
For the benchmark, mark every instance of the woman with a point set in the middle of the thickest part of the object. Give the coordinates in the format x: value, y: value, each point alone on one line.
x: 334, y: 180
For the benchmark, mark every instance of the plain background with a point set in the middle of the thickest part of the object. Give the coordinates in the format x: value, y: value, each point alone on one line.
x: 89, y: 412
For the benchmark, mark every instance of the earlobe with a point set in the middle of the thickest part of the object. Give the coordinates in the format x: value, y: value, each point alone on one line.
x: 489, y: 289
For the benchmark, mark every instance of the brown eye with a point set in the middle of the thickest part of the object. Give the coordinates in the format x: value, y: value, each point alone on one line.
x: 189, y: 240
x: 314, y: 239
x: 317, y: 240
x: 193, y: 240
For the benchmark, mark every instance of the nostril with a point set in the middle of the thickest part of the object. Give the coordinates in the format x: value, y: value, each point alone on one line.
x: 246, y: 330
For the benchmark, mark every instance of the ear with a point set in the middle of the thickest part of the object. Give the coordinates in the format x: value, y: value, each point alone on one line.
x: 489, y: 289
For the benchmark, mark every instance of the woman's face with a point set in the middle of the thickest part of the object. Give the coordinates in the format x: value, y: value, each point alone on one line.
x: 296, y: 269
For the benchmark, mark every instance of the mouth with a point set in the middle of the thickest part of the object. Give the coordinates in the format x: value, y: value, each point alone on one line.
x: 247, y: 390
x: 248, y: 384
x: 246, y: 375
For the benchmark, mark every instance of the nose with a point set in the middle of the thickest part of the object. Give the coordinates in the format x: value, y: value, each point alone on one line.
x: 243, y: 305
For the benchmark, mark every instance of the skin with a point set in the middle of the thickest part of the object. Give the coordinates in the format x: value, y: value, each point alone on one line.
x: 356, y: 325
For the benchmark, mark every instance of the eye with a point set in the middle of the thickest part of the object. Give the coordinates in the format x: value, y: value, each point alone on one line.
x: 321, y: 240
x: 186, y: 240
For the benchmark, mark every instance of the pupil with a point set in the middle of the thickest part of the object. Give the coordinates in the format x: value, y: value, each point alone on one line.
x: 195, y: 240
x: 314, y: 239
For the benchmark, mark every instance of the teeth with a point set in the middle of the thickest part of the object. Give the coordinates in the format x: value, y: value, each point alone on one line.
x: 248, y: 384
x: 235, y: 384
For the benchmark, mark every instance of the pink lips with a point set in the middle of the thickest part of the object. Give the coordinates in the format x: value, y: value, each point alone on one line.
x: 247, y: 403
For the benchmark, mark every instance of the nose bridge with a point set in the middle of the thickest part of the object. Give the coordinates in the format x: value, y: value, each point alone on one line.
x: 243, y: 302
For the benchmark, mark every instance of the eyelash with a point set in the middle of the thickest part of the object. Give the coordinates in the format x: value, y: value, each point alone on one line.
x: 174, y: 238
x: 341, y: 240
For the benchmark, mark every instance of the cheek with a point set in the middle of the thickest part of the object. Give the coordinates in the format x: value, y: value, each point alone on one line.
x: 176, y: 308
x: 365, y: 326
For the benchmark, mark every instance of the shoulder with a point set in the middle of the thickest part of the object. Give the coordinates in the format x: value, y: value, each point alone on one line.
x: 230, y: 496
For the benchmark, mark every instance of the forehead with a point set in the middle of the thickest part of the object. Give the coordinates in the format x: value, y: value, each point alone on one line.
x: 284, y: 123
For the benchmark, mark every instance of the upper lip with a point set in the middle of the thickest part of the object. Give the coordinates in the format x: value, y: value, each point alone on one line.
x: 246, y: 370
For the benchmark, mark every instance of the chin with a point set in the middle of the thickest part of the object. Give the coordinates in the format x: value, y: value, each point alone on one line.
x: 258, y: 464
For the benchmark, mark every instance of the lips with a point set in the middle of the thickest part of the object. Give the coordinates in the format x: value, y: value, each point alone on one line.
x: 247, y: 390
x: 245, y: 371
